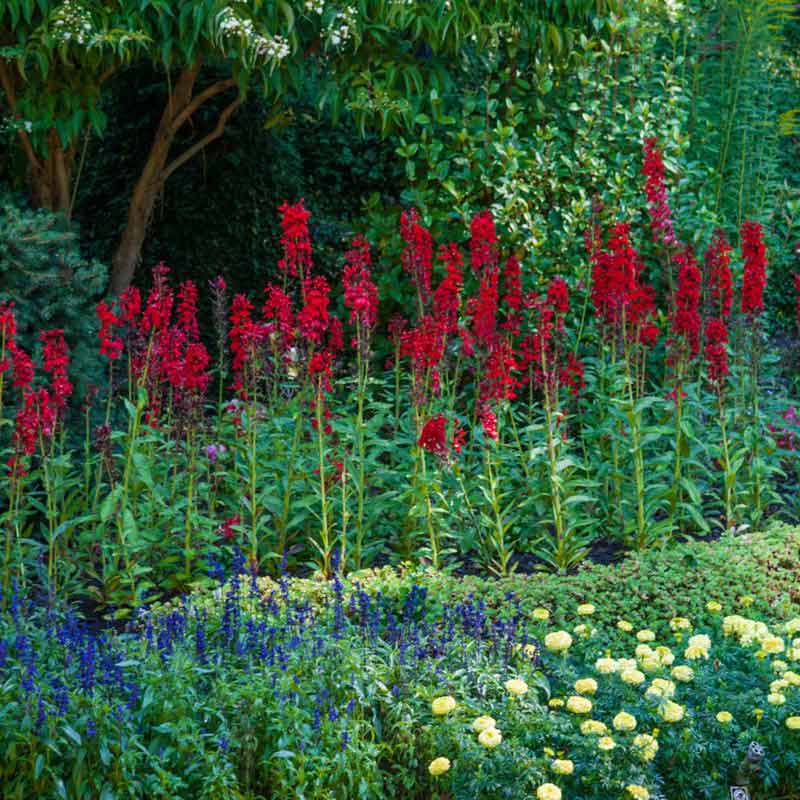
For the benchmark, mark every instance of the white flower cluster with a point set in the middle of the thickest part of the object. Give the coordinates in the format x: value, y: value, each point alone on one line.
x: 342, y: 26
x: 315, y: 6
x: 674, y: 9
x: 72, y: 22
x: 266, y: 46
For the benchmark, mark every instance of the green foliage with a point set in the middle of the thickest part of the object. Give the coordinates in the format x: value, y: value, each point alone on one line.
x: 51, y: 284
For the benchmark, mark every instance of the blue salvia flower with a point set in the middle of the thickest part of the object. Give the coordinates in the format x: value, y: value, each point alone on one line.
x: 91, y: 728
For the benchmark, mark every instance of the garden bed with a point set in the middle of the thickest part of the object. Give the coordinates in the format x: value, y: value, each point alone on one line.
x: 630, y: 680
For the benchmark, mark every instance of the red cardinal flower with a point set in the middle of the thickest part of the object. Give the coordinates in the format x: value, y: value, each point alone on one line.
x: 754, y: 276
x: 716, y: 351
x: 313, y: 319
x: 718, y: 272
x: 483, y: 243
x: 686, y: 320
x: 187, y: 310
x: 657, y: 196
x: 433, y: 437
x: 110, y: 345
x: 417, y: 256
x: 56, y: 361
x: 295, y: 240
x: 277, y: 311
x: 447, y: 297
x: 360, y: 293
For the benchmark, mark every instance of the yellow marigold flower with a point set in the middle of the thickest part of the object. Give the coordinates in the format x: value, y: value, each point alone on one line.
x: 584, y: 631
x: 650, y: 664
x: 605, y: 666
x: 579, y: 705
x: 793, y: 626
x: 637, y: 792
x: 586, y: 686
x: 724, y: 717
x: 683, y: 673
x: 556, y: 702
x: 693, y: 652
x: 793, y: 723
x: 586, y: 609
x: 626, y: 663
x: 777, y: 685
x: 665, y: 655
x: 632, y: 676
x: 713, y: 606
x: 661, y: 687
x: 548, y: 751
x: 792, y: 677
x: 761, y: 654
x: 647, y: 746
x: 671, y: 711
x: 624, y: 625
x: 530, y: 650
x: 644, y: 651
x: 558, y: 642
x: 443, y: 705
x: 548, y: 791
x: 483, y: 724
x: 758, y: 713
x: 646, y: 635
x: 562, y: 766
x: 746, y: 600
x: 606, y: 743
x: 624, y: 721
x: 776, y: 698
x: 516, y: 686
x: 779, y: 666
x: 593, y: 727
x: 700, y: 640
x: 680, y: 624
x: 772, y: 644
x: 490, y: 738
x: 439, y: 766
x: 541, y: 614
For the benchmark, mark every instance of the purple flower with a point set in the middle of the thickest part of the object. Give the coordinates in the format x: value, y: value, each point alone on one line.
x: 214, y: 451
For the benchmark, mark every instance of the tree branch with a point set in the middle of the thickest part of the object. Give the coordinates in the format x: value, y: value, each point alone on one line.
x: 211, y: 91
x: 8, y: 88
x: 206, y: 140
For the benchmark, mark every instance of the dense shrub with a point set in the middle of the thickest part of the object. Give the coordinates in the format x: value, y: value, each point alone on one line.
x: 51, y: 285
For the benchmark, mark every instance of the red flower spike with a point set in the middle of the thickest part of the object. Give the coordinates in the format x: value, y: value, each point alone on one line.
x: 187, y: 310
x: 716, y: 351
x: 718, y: 275
x: 483, y: 243
x: 433, y: 437
x: 657, y: 196
x: 754, y: 276
x: 295, y: 240
x: 417, y: 255
x: 360, y: 293
x: 56, y: 361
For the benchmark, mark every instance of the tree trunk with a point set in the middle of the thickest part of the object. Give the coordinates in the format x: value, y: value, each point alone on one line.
x: 145, y: 193
x: 50, y: 177
x: 180, y: 106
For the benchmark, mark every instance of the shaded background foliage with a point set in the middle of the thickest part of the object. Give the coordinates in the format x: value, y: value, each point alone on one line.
x: 219, y: 214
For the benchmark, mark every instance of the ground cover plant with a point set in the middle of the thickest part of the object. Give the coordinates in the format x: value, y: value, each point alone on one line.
x: 376, y: 686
